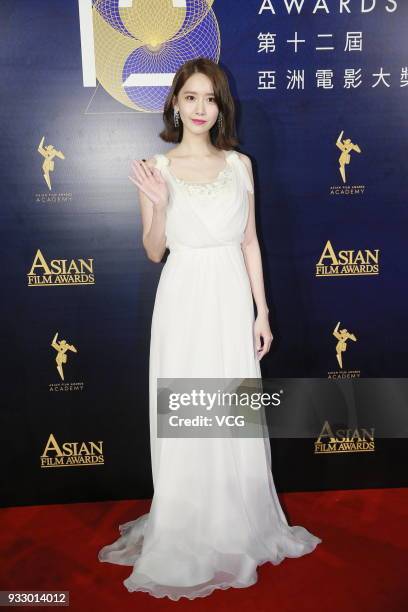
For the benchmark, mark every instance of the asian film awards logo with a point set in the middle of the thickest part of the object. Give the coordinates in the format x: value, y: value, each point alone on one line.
x: 60, y: 272
x: 71, y: 454
x: 347, y: 262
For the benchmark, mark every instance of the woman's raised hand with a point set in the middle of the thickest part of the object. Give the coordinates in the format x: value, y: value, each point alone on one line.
x: 150, y: 181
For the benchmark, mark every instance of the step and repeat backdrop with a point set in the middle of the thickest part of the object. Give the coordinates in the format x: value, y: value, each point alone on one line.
x: 321, y: 90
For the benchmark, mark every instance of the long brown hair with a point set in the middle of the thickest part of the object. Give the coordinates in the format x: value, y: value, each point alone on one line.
x: 224, y: 138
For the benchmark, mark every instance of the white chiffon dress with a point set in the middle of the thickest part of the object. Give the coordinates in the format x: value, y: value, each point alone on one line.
x: 215, y: 514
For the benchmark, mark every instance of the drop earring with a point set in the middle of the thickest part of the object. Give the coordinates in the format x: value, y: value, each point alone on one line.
x: 219, y: 120
x: 176, y: 118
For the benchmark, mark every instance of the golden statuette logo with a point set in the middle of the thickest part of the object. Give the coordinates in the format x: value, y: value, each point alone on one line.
x: 48, y: 152
x: 62, y: 346
x: 342, y: 335
x: 345, y: 146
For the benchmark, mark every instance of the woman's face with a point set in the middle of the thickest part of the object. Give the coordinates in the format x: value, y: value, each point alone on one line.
x: 196, y: 101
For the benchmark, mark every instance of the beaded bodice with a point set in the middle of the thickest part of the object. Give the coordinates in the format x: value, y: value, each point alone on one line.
x: 208, y: 188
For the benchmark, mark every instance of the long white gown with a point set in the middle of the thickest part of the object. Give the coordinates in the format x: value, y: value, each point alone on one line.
x: 215, y: 514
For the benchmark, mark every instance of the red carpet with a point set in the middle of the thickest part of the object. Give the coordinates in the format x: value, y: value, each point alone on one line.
x: 361, y: 565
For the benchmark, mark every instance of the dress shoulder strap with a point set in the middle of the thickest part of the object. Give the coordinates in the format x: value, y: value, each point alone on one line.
x: 242, y: 169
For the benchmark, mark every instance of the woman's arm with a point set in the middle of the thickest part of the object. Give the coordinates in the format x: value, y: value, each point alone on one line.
x: 251, y: 250
x: 153, y: 198
x: 253, y: 262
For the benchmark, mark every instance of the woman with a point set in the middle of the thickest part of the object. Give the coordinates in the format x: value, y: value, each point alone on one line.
x: 215, y: 514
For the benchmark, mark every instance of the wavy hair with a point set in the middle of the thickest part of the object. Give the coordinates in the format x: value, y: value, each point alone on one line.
x: 224, y: 138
